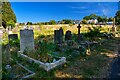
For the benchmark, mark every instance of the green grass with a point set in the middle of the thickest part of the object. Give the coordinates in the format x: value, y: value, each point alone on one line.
x: 77, y: 64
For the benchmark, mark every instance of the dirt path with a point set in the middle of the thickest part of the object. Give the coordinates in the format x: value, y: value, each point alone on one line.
x: 115, y: 70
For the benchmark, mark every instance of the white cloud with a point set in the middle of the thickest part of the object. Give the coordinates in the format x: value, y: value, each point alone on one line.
x: 82, y: 7
x: 87, y: 11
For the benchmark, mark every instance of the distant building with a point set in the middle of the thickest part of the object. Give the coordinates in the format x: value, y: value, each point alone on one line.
x: 95, y: 21
x: 110, y: 23
x: 76, y: 21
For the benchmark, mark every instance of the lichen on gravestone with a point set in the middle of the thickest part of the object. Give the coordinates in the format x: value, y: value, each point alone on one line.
x: 26, y: 39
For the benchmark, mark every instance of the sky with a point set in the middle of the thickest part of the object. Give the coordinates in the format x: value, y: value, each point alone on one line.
x: 46, y: 11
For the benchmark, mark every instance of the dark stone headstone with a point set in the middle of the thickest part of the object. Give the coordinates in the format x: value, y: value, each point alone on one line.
x: 68, y: 35
x: 13, y: 36
x: 58, y: 36
x: 79, y: 35
x: 61, y: 31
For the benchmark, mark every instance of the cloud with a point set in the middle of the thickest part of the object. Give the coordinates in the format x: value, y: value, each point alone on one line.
x: 82, y: 7
x: 104, y: 8
x: 105, y: 11
x: 87, y: 11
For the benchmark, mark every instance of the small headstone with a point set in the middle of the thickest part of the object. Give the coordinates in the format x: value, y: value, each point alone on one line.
x: 68, y: 35
x: 13, y: 36
x: 26, y: 40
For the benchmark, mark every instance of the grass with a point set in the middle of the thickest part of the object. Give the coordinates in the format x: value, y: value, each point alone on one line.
x: 78, y: 66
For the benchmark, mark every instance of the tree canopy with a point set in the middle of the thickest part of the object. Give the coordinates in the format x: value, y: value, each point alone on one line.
x: 52, y: 22
x: 7, y: 14
x: 117, y: 17
x: 103, y: 19
x: 66, y: 21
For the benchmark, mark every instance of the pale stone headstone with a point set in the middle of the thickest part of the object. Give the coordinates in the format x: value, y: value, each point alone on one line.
x: 26, y: 40
x: 113, y: 28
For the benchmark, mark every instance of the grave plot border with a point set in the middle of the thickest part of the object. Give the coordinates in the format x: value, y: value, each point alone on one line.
x: 45, y: 66
x: 29, y: 75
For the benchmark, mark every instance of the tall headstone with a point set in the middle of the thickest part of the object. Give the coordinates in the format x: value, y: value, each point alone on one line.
x: 58, y: 36
x: 113, y: 28
x: 61, y: 31
x: 26, y: 40
x: 79, y: 36
x: 68, y: 35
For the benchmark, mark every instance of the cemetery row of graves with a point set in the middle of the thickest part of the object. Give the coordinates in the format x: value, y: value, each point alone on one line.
x: 63, y: 54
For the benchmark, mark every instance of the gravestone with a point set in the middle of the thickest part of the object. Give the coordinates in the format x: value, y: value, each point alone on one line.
x: 26, y: 40
x: 68, y: 35
x: 61, y: 31
x: 113, y: 27
x: 13, y: 36
x: 58, y: 36
x: 79, y: 35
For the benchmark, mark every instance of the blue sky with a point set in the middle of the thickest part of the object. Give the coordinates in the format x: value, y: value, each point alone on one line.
x: 46, y: 11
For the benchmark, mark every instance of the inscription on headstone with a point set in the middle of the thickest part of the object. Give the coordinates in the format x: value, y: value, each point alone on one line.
x: 68, y: 35
x: 26, y: 39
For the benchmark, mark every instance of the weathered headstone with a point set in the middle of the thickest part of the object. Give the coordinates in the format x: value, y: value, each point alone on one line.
x: 79, y: 36
x: 58, y: 36
x: 61, y: 31
x: 13, y: 36
x: 113, y: 28
x: 26, y: 39
x: 68, y: 35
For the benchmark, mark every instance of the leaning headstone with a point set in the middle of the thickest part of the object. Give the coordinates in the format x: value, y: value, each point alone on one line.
x: 26, y: 40
x: 58, y: 36
x: 68, y: 35
x: 13, y: 36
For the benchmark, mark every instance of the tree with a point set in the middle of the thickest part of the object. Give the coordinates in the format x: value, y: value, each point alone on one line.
x: 11, y: 23
x: 52, y: 22
x: 110, y: 19
x: 104, y: 20
x: 7, y: 14
x: 84, y: 21
x: 29, y: 23
x: 86, y: 18
x: 67, y: 21
x: 117, y: 17
x: 91, y: 16
x: 100, y: 19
